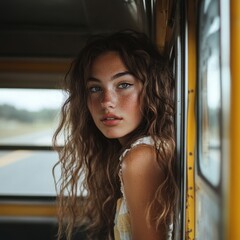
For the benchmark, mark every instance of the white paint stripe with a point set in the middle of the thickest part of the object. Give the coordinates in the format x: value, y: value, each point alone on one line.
x: 14, y: 156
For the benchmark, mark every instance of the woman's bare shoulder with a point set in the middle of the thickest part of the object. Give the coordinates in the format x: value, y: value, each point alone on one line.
x: 141, y: 160
x: 141, y: 178
x: 141, y: 172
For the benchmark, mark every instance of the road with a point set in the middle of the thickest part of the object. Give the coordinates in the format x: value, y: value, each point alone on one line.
x: 24, y: 172
x: 27, y: 173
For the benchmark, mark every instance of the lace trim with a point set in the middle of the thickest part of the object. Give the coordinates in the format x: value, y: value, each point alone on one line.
x: 143, y: 140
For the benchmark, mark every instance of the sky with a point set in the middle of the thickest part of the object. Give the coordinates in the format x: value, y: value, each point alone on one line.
x: 32, y: 99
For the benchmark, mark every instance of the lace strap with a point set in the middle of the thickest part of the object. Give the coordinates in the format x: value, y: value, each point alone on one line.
x: 144, y: 140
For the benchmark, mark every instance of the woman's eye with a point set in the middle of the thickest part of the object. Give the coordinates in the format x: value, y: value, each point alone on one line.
x: 124, y: 85
x: 94, y: 89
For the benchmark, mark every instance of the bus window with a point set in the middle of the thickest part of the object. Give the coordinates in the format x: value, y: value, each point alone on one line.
x: 209, y: 93
x: 28, y: 118
x: 208, y: 177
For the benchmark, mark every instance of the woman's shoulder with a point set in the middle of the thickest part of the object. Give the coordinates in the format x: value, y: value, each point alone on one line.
x: 141, y: 159
x: 138, y: 144
x: 141, y: 176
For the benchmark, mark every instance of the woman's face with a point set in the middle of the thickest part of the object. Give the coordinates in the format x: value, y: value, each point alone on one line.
x: 114, y: 97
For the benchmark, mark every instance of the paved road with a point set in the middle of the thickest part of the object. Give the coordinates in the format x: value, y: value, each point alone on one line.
x: 27, y: 173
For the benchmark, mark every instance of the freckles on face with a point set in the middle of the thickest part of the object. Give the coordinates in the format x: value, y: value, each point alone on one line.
x: 114, y: 97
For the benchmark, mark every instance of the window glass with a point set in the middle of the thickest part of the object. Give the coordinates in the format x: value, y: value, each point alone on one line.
x: 209, y: 92
x: 28, y: 116
x: 27, y: 173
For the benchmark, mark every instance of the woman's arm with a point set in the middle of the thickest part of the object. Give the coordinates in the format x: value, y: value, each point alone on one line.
x: 141, y: 177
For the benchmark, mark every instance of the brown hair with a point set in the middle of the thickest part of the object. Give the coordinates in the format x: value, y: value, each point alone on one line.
x: 88, y: 157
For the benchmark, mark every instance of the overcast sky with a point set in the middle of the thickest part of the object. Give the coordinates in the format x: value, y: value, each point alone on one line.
x: 32, y: 99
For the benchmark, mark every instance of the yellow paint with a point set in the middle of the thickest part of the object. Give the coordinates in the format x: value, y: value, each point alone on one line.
x: 14, y: 156
x: 34, y: 66
x: 234, y: 217
x: 161, y: 23
x: 164, y: 30
x: 28, y: 210
x: 191, y: 121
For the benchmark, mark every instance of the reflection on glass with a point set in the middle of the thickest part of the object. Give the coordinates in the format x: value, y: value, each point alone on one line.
x: 210, y: 94
x: 28, y: 116
x: 206, y: 4
x: 208, y: 212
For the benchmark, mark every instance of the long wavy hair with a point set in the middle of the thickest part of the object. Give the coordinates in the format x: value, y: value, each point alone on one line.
x: 89, y: 185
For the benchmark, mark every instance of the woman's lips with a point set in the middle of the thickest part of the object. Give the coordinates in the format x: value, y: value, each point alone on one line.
x: 111, y: 120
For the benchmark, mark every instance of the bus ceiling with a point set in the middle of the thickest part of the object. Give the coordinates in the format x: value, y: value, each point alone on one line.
x: 38, y: 39
x: 58, y: 28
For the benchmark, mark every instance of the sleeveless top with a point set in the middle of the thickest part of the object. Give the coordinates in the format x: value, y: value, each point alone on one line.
x: 122, y: 226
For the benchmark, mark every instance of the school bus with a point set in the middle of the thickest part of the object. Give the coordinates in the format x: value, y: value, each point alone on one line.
x: 39, y: 39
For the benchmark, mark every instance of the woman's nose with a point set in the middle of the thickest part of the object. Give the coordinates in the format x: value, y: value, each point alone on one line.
x: 108, y: 99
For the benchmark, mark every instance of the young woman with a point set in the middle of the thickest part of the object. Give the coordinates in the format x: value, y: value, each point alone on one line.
x: 119, y: 141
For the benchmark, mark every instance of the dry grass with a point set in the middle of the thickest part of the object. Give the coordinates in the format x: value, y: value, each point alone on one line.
x: 14, y: 128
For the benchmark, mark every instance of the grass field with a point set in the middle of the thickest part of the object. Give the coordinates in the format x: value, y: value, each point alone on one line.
x: 13, y: 128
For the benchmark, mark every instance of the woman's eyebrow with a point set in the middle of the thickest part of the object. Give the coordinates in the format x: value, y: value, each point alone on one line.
x: 120, y: 74
x: 117, y: 75
x: 93, y: 79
